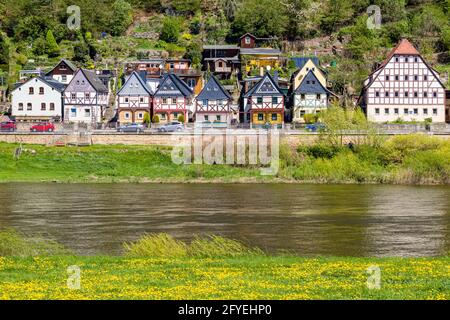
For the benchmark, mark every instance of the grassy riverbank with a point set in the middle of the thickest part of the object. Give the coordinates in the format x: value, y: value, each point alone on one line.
x: 415, y: 159
x: 159, y: 267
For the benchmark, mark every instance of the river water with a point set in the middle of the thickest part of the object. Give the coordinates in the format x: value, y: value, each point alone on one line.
x: 342, y: 220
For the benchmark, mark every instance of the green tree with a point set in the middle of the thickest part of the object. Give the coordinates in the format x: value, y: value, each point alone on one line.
x: 263, y: 18
x: 170, y: 30
x: 121, y: 17
x: 52, y: 47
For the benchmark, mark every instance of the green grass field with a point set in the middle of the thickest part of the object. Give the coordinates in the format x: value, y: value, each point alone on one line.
x: 416, y: 159
x: 256, y: 277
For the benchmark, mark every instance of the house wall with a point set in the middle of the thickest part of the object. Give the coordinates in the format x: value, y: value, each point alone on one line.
x: 21, y: 95
x: 171, y: 108
x: 310, y: 105
x: 134, y: 115
x: 430, y: 92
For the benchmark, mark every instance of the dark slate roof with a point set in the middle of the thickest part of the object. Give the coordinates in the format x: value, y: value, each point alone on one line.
x: 301, y: 61
x: 310, y: 84
x: 265, y: 87
x: 172, y: 85
x: 67, y: 62
x: 142, y: 81
x: 95, y: 81
x: 58, y: 86
x: 213, y: 90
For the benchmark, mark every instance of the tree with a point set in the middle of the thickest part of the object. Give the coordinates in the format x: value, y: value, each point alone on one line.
x: 194, y: 53
x: 52, y: 47
x: 146, y: 119
x: 263, y: 18
x: 155, y: 119
x: 170, y: 30
x: 181, y: 118
x: 121, y: 17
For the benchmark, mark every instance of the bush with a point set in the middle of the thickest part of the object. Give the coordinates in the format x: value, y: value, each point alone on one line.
x: 310, y: 118
x: 170, y: 30
x: 219, y: 247
x: 156, y: 246
x: 181, y: 118
x: 322, y: 151
x: 396, y: 149
x: 13, y: 243
x: 146, y: 119
x: 155, y: 119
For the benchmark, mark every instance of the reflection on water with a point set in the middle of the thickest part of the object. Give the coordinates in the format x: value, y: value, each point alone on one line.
x: 306, y: 219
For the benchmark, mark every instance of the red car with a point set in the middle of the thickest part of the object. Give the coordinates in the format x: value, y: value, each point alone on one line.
x: 8, y: 126
x: 43, y: 127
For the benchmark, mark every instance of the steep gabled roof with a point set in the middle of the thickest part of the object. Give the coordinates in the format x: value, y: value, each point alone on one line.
x: 58, y: 86
x: 311, y: 85
x: 143, y: 86
x: 213, y: 90
x: 301, y: 61
x: 172, y: 85
x: 94, y: 80
x: 67, y: 62
x: 267, y: 86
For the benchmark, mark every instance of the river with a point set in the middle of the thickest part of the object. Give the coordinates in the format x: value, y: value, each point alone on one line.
x: 338, y: 220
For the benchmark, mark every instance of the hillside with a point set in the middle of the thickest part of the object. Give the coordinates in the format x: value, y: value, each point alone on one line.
x: 34, y: 32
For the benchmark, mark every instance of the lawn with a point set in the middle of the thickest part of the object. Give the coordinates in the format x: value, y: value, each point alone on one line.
x: 256, y: 277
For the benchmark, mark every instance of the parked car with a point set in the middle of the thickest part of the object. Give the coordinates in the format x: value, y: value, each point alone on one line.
x: 171, y: 127
x: 316, y: 127
x: 8, y: 126
x: 43, y: 127
x: 131, y: 127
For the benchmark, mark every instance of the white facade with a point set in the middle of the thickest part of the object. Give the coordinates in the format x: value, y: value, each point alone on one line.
x: 36, y: 100
x: 405, y: 88
x: 309, y: 104
x: 213, y: 111
x: 86, y: 107
x: 65, y: 79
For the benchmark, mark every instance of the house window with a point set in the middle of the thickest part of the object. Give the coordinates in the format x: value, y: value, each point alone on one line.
x: 387, y: 78
x: 274, y: 100
x: 377, y: 111
x: 29, y: 106
x: 31, y: 90
x: 406, y: 60
x: 303, y: 97
x: 416, y: 111
x: 259, y: 100
x: 73, y: 112
x: 174, y: 100
x: 416, y: 78
x: 397, y: 78
x: 377, y: 94
x: 406, y: 111
x: 220, y: 64
x: 87, y: 112
x: 274, y: 116
x: 397, y: 59
x: 386, y: 93
x: 41, y: 90
x: 73, y: 96
x: 318, y: 97
x: 416, y: 59
x: 205, y: 102
x: 164, y: 100
x: 416, y: 94
x: 406, y: 77
x: 406, y: 94
x: 52, y: 106
x: 141, y: 99
x: 140, y: 115
x: 191, y: 83
x: 206, y: 118
x: 64, y: 78
x: 247, y: 40
x: 425, y: 94
x: 425, y: 112
x: 220, y: 102
x: 386, y: 111
x: 425, y: 78
x: 126, y: 100
x: 396, y: 93
x: 396, y: 111
x: 435, y: 112
x: 218, y: 118
x: 43, y: 107
x: 87, y: 95
x: 260, y: 117
x: 163, y: 116
x: 20, y: 106
x: 434, y: 94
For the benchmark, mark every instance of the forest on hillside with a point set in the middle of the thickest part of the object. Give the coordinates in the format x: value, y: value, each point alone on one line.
x: 35, y: 33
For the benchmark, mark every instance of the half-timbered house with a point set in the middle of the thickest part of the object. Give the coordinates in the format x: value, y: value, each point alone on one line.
x: 264, y: 103
x: 134, y: 99
x: 311, y: 97
x: 85, y: 98
x: 63, y: 72
x: 404, y: 87
x: 213, y: 105
x: 172, y: 99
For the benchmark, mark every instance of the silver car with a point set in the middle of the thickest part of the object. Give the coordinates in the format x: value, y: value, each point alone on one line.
x: 171, y: 127
x: 132, y: 127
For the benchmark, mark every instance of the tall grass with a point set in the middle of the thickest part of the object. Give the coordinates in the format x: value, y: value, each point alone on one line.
x: 165, y: 246
x: 13, y: 243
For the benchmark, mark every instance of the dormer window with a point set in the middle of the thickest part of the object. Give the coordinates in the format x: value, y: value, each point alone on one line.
x: 248, y: 40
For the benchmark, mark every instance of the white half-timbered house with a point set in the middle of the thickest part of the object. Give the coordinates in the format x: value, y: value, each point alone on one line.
x: 404, y: 87
x: 85, y: 98
x: 212, y: 106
